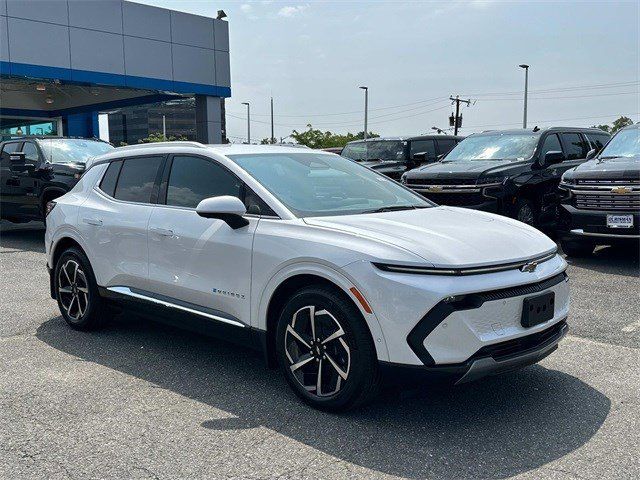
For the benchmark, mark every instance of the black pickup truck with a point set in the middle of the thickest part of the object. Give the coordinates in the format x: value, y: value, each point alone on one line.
x: 510, y: 172
x: 36, y: 170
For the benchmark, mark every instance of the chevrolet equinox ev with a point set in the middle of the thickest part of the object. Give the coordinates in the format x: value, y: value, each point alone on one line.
x: 341, y: 276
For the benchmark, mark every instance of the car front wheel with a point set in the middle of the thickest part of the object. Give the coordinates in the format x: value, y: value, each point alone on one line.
x: 325, y: 350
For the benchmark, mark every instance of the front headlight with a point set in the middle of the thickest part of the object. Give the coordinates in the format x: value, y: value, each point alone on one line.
x: 566, y: 180
x: 491, y: 181
x: 403, y: 179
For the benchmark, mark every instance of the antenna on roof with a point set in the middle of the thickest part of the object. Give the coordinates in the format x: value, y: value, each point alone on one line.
x: 536, y: 129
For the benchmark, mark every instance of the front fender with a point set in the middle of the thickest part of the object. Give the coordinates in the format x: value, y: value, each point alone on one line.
x: 330, y: 273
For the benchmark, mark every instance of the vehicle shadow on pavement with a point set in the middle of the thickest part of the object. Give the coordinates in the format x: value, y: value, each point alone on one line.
x: 22, y: 237
x: 492, y: 429
x: 616, y: 260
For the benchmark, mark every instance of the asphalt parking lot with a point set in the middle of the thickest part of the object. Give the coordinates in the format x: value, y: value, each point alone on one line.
x: 140, y: 400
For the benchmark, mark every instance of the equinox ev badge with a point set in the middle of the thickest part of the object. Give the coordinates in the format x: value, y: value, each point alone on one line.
x: 529, y: 267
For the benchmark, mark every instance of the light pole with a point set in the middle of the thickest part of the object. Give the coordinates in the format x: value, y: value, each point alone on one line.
x: 526, y: 89
x: 366, y: 108
x: 248, y: 122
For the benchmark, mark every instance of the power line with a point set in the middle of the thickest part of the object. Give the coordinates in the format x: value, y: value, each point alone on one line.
x: 556, y: 98
x: 551, y: 121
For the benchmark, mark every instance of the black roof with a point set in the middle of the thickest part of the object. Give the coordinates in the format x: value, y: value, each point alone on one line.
x: 410, y: 137
x: 540, y: 131
x: 55, y: 137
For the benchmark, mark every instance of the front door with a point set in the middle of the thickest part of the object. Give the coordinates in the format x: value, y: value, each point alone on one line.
x: 9, y: 181
x: 201, y: 262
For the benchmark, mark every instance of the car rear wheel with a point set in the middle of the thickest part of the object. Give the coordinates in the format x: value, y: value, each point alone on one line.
x: 325, y: 350
x: 77, y: 291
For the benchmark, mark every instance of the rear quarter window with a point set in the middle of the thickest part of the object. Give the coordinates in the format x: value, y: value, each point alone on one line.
x: 108, y: 183
x: 137, y: 179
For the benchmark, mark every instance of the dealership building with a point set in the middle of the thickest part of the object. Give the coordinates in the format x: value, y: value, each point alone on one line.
x: 62, y: 63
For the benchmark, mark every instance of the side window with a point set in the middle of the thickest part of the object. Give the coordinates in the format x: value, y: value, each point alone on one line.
x: 576, y: 147
x: 30, y: 152
x: 255, y: 205
x: 419, y: 146
x: 108, y: 183
x: 597, y: 141
x: 445, y: 146
x: 7, y: 149
x: 137, y: 178
x: 193, y: 179
x: 551, y: 144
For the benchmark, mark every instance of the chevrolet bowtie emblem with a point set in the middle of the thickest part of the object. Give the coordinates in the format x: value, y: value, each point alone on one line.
x: 435, y: 188
x: 529, y: 267
x: 621, y: 190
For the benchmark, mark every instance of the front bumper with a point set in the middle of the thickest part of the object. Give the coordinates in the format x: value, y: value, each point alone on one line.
x: 591, y: 225
x: 494, y: 360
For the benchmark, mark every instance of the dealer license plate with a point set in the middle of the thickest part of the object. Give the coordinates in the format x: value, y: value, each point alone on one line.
x: 620, y: 221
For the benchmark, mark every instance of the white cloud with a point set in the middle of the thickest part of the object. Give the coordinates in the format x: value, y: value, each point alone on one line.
x: 292, y: 11
x: 246, y: 8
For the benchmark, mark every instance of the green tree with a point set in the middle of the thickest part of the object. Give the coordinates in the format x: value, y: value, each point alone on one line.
x: 616, y: 125
x: 158, y: 137
x: 315, y: 138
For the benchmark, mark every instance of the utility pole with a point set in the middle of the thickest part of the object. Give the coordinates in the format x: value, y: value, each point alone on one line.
x: 366, y: 108
x: 248, y: 122
x: 164, y: 128
x: 273, y: 138
x: 456, y: 122
x: 526, y: 89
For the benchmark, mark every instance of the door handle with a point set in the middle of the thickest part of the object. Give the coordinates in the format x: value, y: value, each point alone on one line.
x: 92, y: 221
x: 163, y: 232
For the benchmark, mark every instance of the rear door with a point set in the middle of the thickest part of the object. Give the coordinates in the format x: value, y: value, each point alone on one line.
x: 445, y: 145
x: 575, y: 147
x: 114, y: 220
x: 201, y: 262
x: 29, y: 182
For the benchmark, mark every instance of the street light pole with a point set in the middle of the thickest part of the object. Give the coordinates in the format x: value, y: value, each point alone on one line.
x: 366, y: 108
x: 273, y: 138
x: 526, y: 91
x: 248, y: 122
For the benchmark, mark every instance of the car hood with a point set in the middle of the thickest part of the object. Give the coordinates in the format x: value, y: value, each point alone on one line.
x: 470, y: 169
x: 611, y: 168
x: 447, y: 236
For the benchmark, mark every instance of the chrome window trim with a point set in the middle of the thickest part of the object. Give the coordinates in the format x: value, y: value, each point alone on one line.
x: 462, y: 271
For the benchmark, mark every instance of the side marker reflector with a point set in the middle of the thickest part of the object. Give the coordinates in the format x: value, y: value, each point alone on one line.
x: 361, y: 299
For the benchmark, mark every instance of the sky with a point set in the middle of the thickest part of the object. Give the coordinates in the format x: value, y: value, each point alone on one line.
x: 312, y: 56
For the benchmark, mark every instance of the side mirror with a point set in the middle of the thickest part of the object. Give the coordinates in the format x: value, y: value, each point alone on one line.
x: 592, y: 153
x: 226, y: 208
x: 419, y: 158
x: 18, y: 163
x: 553, y: 157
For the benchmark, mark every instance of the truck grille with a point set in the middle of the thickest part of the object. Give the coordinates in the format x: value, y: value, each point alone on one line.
x: 607, y: 195
x: 454, y: 199
x: 441, y: 181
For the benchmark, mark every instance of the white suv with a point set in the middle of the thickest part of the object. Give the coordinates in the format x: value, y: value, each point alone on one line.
x: 340, y: 275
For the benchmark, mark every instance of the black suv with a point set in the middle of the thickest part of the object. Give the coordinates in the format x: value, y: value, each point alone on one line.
x: 35, y: 170
x: 600, y: 199
x: 393, y: 156
x: 511, y: 172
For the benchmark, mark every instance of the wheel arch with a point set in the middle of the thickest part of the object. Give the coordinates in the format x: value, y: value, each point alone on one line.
x: 48, y: 194
x: 283, y: 284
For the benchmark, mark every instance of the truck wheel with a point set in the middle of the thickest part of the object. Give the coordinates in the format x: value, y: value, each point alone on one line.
x: 527, y: 212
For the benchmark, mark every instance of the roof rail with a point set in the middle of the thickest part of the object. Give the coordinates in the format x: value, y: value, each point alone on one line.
x: 162, y: 144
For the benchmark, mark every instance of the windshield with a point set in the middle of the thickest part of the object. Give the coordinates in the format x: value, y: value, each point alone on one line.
x: 72, y: 150
x: 312, y: 184
x: 625, y: 144
x: 375, y: 150
x: 498, y: 146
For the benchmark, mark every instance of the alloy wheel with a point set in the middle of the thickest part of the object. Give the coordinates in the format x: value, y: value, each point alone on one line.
x: 525, y: 214
x: 317, y: 350
x: 73, y: 290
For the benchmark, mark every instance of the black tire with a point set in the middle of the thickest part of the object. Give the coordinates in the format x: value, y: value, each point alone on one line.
x: 577, y: 249
x: 527, y: 212
x: 83, y: 287
x: 362, y: 381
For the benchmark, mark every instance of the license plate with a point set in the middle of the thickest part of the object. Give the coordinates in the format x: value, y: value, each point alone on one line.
x: 538, y: 309
x: 619, y: 221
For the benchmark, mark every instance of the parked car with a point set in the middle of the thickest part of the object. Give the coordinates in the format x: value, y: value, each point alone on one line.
x: 338, y: 274
x: 600, y: 199
x: 393, y: 156
x: 35, y: 170
x: 510, y: 172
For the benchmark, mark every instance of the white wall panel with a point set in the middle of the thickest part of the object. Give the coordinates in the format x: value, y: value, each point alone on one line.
x: 4, y: 40
x: 52, y: 41
x: 146, y: 22
x: 104, y: 15
x: 53, y: 11
x: 221, y: 34
x: 147, y: 58
x: 193, y: 64
x: 223, y: 74
x: 83, y: 52
x: 191, y: 30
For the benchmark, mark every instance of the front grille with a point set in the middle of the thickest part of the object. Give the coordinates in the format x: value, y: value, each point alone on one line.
x: 607, y: 183
x: 606, y: 200
x: 441, y: 181
x: 454, y: 199
x: 522, y: 290
x: 517, y: 346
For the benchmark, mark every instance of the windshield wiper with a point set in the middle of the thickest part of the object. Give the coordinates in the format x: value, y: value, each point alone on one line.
x: 395, y: 208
